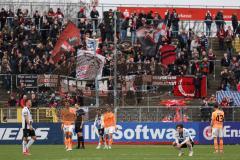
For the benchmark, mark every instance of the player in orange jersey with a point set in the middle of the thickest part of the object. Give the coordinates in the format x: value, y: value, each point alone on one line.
x: 109, y: 127
x: 217, y: 128
x: 68, y: 118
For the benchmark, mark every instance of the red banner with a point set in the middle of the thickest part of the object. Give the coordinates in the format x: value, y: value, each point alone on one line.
x: 185, y: 13
x: 185, y: 86
x: 69, y: 38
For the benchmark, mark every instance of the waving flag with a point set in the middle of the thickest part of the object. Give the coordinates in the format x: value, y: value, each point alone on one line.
x: 168, y: 54
x: 148, y: 36
x: 68, y: 39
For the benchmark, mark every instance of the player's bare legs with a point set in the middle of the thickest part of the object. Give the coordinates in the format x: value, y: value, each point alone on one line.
x: 69, y: 141
x: 106, y: 138
x: 216, y: 145
x: 101, y: 141
x: 176, y: 146
x: 221, y: 145
x: 110, y: 141
x: 189, y: 144
x: 24, y: 145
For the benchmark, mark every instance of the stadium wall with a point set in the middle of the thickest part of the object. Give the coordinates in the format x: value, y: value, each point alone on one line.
x: 127, y: 133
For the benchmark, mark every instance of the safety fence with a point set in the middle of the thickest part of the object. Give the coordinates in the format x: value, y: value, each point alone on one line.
x: 128, y: 114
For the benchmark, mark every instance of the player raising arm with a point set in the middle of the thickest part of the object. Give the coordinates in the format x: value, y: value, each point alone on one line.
x: 68, y: 118
x: 28, y: 130
x: 183, y: 139
x: 109, y: 121
x: 217, y: 128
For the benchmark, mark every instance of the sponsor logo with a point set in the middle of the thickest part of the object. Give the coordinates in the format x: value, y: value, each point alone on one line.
x: 228, y: 132
x: 139, y: 132
x: 207, y: 134
x: 9, y: 134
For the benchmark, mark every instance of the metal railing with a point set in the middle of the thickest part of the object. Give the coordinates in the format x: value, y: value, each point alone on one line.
x: 173, y: 113
x: 70, y: 10
x: 129, y: 113
x: 9, y: 115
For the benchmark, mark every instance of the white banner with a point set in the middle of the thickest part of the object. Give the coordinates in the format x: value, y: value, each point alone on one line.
x: 89, y: 66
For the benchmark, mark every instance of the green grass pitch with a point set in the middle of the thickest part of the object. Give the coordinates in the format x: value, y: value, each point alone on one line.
x: 118, y: 152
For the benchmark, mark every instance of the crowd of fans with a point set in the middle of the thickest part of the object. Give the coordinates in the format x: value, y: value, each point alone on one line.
x: 27, y: 41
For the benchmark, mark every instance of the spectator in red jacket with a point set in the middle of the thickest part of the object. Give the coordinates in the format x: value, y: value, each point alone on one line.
x: 22, y: 101
x: 225, y: 102
x: 221, y: 36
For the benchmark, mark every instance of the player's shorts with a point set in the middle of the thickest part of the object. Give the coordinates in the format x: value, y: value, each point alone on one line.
x: 185, y: 145
x: 217, y: 132
x: 28, y: 133
x: 101, y: 131
x: 109, y: 130
x: 77, y: 127
x: 68, y: 128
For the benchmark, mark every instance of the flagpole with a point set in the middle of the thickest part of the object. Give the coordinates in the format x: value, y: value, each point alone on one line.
x: 115, y: 61
x: 96, y: 79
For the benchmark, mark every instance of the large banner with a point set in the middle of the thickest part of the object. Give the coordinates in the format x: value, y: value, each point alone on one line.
x: 186, y: 87
x: 89, y: 65
x: 231, y: 133
x: 48, y: 80
x: 29, y: 81
x: 184, y: 13
x: 127, y: 133
x: 47, y: 133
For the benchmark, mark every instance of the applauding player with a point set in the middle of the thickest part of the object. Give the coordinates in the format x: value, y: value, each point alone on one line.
x: 68, y: 118
x: 109, y: 121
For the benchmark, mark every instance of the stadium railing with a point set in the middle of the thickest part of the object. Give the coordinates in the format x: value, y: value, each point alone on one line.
x: 70, y: 11
x: 38, y: 114
x: 129, y: 113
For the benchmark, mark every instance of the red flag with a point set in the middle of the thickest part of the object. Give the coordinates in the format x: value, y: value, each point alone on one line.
x: 168, y: 54
x: 66, y: 47
x: 70, y: 36
x: 185, y: 87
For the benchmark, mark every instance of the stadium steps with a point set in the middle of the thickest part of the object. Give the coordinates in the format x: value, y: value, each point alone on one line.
x: 215, y: 44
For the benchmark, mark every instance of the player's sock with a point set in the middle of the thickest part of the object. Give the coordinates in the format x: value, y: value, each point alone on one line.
x: 30, y: 143
x: 82, y: 141
x: 221, y: 144
x: 79, y: 140
x: 110, y: 141
x: 216, y: 144
x: 24, y: 145
x: 70, y: 143
x: 65, y: 142
x: 106, y: 142
x: 100, y: 142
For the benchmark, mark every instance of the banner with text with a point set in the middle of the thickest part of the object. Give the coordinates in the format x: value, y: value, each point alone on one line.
x: 127, y: 133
